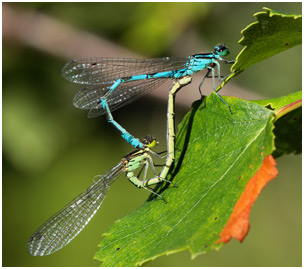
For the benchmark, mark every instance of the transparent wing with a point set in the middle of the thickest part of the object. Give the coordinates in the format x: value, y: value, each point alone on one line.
x: 89, y: 98
x: 67, y: 223
x: 104, y: 71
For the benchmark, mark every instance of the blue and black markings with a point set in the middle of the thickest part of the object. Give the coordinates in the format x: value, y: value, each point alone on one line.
x: 113, y: 83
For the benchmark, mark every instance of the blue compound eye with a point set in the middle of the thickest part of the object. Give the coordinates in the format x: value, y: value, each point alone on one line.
x: 221, y: 50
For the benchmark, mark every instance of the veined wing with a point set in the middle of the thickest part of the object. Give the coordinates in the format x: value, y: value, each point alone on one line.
x: 67, y: 223
x: 89, y: 98
x: 100, y: 71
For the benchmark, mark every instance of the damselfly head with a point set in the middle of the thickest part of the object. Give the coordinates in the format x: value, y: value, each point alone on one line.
x: 221, y: 50
x: 150, y: 141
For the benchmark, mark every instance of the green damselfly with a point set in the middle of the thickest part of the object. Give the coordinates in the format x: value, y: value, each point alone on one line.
x: 67, y: 223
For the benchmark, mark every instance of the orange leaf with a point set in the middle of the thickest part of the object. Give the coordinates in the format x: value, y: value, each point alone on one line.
x: 238, y: 224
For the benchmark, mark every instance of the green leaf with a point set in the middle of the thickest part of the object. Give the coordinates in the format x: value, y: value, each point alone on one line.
x: 288, y: 127
x: 217, y: 154
x: 288, y: 133
x: 279, y: 102
x: 274, y: 32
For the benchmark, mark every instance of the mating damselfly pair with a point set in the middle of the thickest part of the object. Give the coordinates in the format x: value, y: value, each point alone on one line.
x: 110, y: 84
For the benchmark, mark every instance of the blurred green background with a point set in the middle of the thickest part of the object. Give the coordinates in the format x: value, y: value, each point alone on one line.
x: 51, y: 151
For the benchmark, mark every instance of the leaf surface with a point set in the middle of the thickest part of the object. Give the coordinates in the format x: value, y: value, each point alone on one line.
x: 272, y: 33
x: 217, y: 155
x: 288, y: 124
